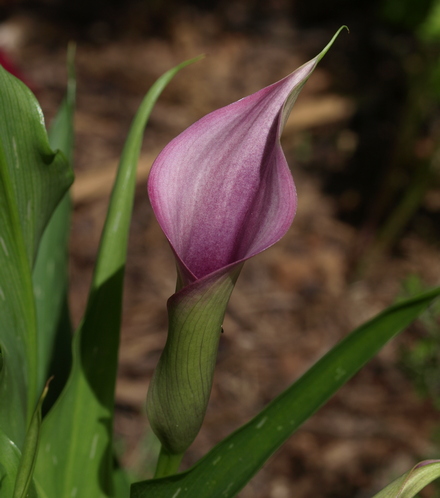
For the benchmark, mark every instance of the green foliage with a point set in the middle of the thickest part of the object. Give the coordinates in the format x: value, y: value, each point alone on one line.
x: 408, y: 174
x: 231, y: 464
x: 429, y: 30
x: 413, y: 481
x: 23, y: 480
x: 33, y: 179
x: 421, y: 361
x: 406, y: 13
x: 50, y: 274
x: 9, y: 465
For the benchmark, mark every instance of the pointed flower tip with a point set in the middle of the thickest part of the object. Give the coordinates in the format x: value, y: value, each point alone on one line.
x: 330, y: 43
x: 222, y: 190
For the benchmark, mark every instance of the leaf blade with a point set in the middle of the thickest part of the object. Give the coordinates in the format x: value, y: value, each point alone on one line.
x: 10, y: 461
x: 33, y: 179
x: 413, y: 481
x: 50, y: 272
x: 232, y: 463
x: 25, y: 471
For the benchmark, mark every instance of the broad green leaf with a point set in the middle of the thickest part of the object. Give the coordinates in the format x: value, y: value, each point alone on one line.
x: 226, y: 469
x: 23, y: 481
x: 33, y: 179
x: 413, y: 481
x: 9, y: 463
x: 76, y: 457
x: 50, y: 274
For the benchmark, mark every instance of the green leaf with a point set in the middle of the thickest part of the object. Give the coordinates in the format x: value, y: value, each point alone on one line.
x: 413, y: 481
x: 50, y: 275
x: 9, y: 463
x: 33, y: 179
x: 76, y: 457
x: 226, y: 469
x: 23, y: 481
x: 61, y: 133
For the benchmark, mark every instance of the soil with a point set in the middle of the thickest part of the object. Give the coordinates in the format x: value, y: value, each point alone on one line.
x: 293, y: 302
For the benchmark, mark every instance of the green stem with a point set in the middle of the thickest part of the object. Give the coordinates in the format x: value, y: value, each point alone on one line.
x: 167, y: 463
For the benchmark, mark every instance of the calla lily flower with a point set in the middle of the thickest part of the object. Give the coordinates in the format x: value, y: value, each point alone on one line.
x: 222, y: 192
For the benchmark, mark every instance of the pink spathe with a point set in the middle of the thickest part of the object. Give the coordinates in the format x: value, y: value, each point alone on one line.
x: 222, y: 191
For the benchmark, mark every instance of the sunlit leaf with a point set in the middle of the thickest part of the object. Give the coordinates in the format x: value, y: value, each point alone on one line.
x: 413, y: 481
x: 33, y: 179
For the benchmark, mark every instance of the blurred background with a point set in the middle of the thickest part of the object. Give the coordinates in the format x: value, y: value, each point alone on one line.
x: 363, y: 145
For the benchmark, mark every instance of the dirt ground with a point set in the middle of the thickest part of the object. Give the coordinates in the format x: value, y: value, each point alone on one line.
x: 293, y: 302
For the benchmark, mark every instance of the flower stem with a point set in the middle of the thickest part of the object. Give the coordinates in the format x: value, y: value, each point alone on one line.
x: 167, y: 463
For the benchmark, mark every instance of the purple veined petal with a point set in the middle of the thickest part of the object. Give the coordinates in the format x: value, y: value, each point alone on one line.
x: 222, y: 190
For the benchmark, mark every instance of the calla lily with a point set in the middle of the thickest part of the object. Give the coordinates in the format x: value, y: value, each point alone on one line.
x: 222, y: 192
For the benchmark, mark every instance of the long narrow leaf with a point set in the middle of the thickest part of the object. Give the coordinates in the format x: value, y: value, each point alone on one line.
x: 23, y: 481
x: 50, y: 275
x: 413, y: 481
x: 76, y: 457
x: 9, y: 464
x: 33, y: 179
x: 226, y: 469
